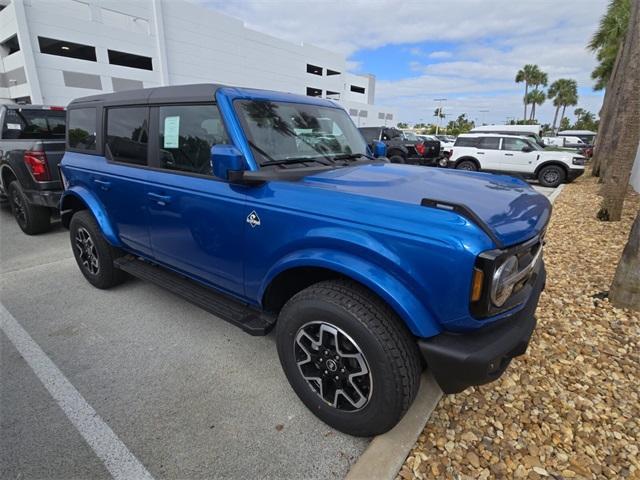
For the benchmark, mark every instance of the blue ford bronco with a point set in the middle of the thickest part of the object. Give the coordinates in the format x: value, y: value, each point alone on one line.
x: 269, y: 210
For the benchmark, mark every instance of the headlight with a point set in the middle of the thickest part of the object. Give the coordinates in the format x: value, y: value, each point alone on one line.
x: 578, y: 160
x: 502, y: 286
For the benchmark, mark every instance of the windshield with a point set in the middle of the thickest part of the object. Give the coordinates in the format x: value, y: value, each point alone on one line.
x: 282, y: 131
x: 411, y: 136
x: 25, y: 123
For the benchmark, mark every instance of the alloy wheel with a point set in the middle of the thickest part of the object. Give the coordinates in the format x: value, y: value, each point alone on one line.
x: 18, y: 208
x: 333, y: 365
x: 87, y: 251
x: 551, y: 176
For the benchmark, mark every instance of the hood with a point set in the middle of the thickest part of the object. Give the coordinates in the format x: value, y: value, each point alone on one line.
x: 511, y: 209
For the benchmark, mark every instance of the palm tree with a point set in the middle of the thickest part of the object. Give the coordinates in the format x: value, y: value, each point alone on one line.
x: 570, y: 97
x: 535, y: 97
x: 607, y: 40
x: 527, y: 74
x: 558, y: 92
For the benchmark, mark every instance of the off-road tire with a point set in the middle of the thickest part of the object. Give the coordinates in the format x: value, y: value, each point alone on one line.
x: 389, y: 349
x: 32, y: 219
x: 551, y: 176
x: 106, y: 275
x: 397, y: 159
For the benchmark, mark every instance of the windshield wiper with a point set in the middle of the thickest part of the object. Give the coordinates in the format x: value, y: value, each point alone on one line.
x: 352, y: 156
x: 288, y: 161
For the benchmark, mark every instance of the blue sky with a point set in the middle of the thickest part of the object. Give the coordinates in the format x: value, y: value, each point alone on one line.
x: 467, y: 51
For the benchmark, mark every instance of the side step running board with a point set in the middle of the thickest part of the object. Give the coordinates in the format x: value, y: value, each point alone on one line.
x: 251, y: 320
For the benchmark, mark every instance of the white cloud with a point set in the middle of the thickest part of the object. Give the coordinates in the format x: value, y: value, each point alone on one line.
x: 492, y: 39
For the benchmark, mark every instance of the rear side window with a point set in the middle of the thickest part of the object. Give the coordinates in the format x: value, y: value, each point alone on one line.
x: 187, y: 133
x: 489, y: 143
x: 128, y: 134
x: 370, y: 134
x: 466, y: 142
x: 82, y: 128
x: 21, y: 124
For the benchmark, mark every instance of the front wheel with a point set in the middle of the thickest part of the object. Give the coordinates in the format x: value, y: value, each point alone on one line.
x: 551, y: 176
x: 395, y: 158
x: 93, y: 254
x: 348, y: 357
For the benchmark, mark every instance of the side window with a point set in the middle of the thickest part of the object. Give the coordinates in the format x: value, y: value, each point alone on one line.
x: 187, y: 133
x: 515, y: 144
x: 82, y: 128
x: 370, y: 134
x: 489, y: 143
x: 127, y: 134
x: 465, y: 142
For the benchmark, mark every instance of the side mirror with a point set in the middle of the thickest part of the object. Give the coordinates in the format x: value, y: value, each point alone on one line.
x: 226, y: 160
x: 379, y: 149
x: 527, y: 149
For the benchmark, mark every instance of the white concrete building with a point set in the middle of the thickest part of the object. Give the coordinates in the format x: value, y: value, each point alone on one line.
x: 53, y: 51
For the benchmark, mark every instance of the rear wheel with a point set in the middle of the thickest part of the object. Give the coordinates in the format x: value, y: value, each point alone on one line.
x: 397, y: 158
x: 348, y: 357
x: 468, y: 165
x: 93, y: 254
x: 551, y: 176
x: 32, y: 219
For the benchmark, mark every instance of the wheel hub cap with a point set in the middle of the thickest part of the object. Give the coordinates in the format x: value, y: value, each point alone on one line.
x: 333, y: 366
x: 87, y: 251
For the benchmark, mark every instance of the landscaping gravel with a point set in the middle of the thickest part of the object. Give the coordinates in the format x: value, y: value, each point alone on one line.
x: 569, y: 408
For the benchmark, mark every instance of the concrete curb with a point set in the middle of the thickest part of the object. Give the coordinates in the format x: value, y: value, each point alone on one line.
x: 556, y: 192
x: 386, y: 453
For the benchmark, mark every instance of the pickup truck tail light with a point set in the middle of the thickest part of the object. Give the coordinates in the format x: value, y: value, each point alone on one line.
x: 36, y: 162
x: 420, y: 148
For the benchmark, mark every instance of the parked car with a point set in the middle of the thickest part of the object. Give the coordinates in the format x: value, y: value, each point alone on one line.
x: 446, y: 138
x: 530, y: 131
x: 403, y: 147
x: 268, y: 210
x: 587, y: 136
x: 517, y: 156
x: 445, y: 145
x: 31, y: 146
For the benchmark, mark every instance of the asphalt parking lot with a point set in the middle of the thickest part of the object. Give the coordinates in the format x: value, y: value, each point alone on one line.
x: 187, y: 394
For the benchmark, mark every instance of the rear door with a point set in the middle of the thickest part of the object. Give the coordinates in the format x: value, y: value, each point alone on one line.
x: 514, y: 159
x: 196, y: 220
x: 489, y: 153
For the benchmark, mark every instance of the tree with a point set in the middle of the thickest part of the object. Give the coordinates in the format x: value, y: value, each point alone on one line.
x: 527, y: 74
x: 403, y: 125
x: 460, y: 125
x: 559, y: 91
x: 585, y: 120
x: 625, y: 288
x: 624, y: 121
x: 565, y: 124
x: 607, y: 40
x: 535, y: 97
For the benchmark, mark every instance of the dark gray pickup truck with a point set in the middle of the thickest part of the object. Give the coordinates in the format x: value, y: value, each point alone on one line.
x: 32, y: 140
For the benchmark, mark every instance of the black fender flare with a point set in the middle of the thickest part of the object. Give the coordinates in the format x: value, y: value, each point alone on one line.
x: 551, y: 162
x: 473, y: 159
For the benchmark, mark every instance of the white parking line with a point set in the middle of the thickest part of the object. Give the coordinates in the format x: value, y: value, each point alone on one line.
x: 105, y: 443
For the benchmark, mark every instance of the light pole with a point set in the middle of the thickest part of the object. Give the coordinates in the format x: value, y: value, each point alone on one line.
x: 439, y: 100
x: 483, y: 112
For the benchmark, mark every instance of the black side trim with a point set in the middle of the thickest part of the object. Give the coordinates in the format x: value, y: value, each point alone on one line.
x: 464, y: 211
x: 248, y: 318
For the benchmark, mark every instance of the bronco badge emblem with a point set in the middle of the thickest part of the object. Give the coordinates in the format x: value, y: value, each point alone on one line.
x: 253, y: 219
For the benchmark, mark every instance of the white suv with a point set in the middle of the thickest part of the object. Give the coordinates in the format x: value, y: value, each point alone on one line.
x: 515, y: 155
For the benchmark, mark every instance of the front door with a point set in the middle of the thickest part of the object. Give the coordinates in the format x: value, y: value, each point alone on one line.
x: 516, y: 160
x: 196, y: 220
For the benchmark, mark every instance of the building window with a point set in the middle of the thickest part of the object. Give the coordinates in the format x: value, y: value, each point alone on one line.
x: 62, y: 48
x: 332, y: 72
x: 127, y: 136
x: 356, y: 89
x: 314, y: 92
x: 333, y: 95
x: 122, y: 84
x: 353, y: 112
x: 187, y: 133
x: 9, y: 46
x: 314, y: 69
x: 129, y: 60
x: 363, y: 114
x: 82, y: 128
x: 381, y: 116
x: 389, y: 116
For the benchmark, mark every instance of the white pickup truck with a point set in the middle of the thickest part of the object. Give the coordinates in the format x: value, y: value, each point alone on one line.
x: 515, y: 155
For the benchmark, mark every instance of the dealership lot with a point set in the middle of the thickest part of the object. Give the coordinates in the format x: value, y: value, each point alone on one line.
x: 189, y: 395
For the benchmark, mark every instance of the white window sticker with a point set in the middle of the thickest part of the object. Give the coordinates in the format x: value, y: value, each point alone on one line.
x: 171, y: 132
x: 14, y: 126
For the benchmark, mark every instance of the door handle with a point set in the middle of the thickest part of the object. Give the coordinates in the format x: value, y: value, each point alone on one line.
x: 104, y: 185
x: 159, y: 199
x: 480, y: 153
x: 508, y: 154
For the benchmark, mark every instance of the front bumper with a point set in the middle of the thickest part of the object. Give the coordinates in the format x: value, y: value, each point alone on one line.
x: 458, y: 361
x: 574, y: 173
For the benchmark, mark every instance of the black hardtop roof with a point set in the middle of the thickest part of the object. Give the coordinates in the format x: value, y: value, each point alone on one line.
x: 200, y: 92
